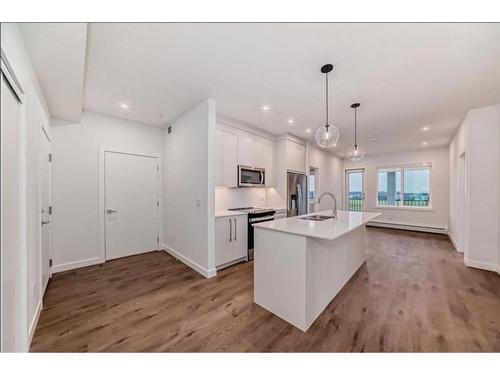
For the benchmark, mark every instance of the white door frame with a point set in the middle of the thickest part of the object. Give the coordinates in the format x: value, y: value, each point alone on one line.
x: 43, y: 287
x: 102, y: 207
x: 346, y: 187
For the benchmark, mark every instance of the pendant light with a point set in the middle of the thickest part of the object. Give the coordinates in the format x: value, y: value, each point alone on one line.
x: 355, y: 154
x: 327, y: 135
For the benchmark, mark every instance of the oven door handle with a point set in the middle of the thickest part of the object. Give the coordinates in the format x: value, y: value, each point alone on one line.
x: 259, y: 219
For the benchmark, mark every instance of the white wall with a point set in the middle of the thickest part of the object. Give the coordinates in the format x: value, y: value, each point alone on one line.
x: 456, y: 148
x: 438, y: 215
x: 479, y: 137
x: 34, y: 115
x: 329, y: 176
x: 189, y: 188
x: 75, y: 181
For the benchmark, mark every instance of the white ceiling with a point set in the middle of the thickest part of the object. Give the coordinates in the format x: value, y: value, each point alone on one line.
x: 405, y: 76
x: 57, y: 52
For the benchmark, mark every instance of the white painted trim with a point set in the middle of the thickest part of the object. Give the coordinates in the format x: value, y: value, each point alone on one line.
x: 481, y: 265
x: 232, y: 262
x: 101, y: 200
x: 411, y: 227
x: 234, y: 127
x: 77, y: 264
x: 10, y: 76
x: 190, y: 263
x: 455, y: 244
x: 406, y: 208
x: 34, y: 322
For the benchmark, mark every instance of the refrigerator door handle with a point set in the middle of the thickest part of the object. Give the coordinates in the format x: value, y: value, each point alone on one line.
x: 299, y: 199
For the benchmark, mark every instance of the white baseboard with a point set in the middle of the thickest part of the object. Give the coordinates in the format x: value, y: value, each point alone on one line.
x: 454, y: 243
x: 34, y: 322
x: 411, y: 227
x: 192, y: 264
x: 73, y: 265
x: 482, y: 265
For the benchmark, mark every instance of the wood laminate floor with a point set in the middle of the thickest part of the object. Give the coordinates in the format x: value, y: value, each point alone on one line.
x: 413, y: 294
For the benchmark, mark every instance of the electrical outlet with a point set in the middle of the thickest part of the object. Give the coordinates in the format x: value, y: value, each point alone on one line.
x: 198, y: 203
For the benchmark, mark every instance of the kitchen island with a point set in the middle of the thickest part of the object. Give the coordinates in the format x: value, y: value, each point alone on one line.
x: 301, y: 264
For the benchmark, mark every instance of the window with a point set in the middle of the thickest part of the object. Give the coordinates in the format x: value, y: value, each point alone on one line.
x: 312, y: 187
x: 404, y: 187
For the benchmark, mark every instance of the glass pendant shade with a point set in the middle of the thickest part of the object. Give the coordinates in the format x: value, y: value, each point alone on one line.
x: 356, y: 154
x: 327, y: 136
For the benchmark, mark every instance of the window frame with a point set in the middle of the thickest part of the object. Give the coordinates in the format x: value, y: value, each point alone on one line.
x: 402, y: 168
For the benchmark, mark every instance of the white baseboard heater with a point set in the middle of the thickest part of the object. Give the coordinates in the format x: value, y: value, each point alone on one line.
x: 412, y: 227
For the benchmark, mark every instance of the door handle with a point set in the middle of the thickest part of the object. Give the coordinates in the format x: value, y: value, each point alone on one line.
x: 110, y: 211
x: 45, y: 222
x: 235, y: 233
x: 230, y: 230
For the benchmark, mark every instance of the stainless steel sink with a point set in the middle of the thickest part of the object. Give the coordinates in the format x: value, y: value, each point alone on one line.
x: 317, y: 217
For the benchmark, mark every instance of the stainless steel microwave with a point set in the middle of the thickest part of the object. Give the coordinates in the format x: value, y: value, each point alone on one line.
x: 251, y: 176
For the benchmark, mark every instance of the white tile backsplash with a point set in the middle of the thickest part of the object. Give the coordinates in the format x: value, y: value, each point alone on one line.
x: 239, y: 197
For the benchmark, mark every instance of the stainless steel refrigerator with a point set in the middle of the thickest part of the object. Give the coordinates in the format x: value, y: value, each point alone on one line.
x: 296, y: 194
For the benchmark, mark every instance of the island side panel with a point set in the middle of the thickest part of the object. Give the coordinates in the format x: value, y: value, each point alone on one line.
x: 280, y: 275
x: 330, y: 265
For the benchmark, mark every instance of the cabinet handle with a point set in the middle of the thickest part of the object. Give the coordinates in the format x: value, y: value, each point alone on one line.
x: 230, y: 230
x: 235, y: 232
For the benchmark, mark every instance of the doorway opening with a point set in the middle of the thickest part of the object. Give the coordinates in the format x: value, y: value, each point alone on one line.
x: 313, y: 189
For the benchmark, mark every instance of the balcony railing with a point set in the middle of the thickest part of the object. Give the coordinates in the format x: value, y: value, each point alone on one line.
x: 355, y: 204
x: 407, y: 202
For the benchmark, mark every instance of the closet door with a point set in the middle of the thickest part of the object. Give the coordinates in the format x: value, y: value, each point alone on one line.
x: 12, y: 331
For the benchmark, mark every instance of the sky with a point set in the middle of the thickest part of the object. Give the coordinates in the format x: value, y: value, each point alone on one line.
x: 416, y: 181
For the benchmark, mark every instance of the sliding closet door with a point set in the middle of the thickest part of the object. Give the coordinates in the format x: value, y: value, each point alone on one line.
x: 11, y: 258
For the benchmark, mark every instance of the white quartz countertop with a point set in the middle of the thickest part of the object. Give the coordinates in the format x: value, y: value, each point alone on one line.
x: 225, y: 213
x: 327, y: 229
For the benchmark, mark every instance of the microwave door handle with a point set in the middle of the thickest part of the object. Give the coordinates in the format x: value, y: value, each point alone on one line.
x: 262, y: 177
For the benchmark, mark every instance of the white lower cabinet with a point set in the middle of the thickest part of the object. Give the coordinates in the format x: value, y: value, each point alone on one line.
x: 230, y: 240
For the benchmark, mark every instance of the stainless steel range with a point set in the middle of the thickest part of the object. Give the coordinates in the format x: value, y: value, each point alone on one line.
x: 255, y: 215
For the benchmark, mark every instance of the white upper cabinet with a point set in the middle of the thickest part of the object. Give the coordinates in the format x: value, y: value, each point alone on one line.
x: 296, y: 156
x: 267, y: 156
x: 246, y: 151
x: 241, y: 148
x: 226, y: 159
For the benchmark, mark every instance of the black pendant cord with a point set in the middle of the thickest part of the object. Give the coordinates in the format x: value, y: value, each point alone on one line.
x: 326, y: 106
x: 355, y: 126
x: 355, y: 107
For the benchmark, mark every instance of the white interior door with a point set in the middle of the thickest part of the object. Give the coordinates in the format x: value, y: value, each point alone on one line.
x: 131, y: 204
x: 45, y: 207
x: 10, y: 205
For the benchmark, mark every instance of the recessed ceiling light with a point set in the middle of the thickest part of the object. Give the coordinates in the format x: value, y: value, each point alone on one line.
x: 373, y: 139
x: 424, y: 143
x: 308, y: 130
x: 265, y: 108
x: 290, y: 121
x: 122, y: 105
x: 425, y: 128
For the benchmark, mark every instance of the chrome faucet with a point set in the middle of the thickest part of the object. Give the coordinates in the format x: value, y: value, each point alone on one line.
x: 334, y: 211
